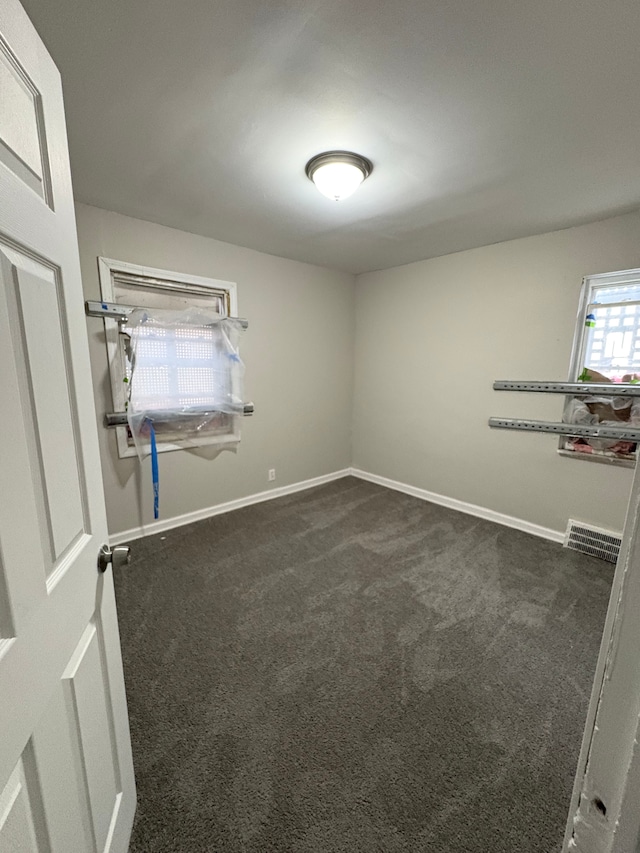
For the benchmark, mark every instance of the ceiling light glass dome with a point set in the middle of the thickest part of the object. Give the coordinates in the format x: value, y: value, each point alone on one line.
x: 338, y: 174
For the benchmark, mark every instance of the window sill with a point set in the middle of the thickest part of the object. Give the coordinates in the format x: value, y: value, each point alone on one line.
x: 127, y: 450
x: 602, y: 460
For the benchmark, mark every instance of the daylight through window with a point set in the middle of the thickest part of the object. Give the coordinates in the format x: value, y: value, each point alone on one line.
x: 606, y: 349
x: 177, y: 365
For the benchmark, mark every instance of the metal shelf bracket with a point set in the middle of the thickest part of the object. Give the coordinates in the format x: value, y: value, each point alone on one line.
x: 596, y: 431
x: 116, y: 419
x: 604, y: 389
x: 116, y: 311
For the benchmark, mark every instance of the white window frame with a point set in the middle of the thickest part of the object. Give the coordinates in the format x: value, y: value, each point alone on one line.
x: 176, y: 283
x: 589, y: 282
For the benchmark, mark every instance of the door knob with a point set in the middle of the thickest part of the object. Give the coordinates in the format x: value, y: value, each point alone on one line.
x: 118, y: 556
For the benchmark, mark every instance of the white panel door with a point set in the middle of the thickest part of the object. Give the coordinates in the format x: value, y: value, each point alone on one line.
x: 66, y: 775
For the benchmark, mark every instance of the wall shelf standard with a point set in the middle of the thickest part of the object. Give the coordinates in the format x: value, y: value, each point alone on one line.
x: 621, y: 433
x: 579, y: 388
x: 116, y: 311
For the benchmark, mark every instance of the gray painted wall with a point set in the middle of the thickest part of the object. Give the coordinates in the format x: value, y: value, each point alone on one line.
x: 430, y: 339
x: 427, y: 340
x: 298, y: 354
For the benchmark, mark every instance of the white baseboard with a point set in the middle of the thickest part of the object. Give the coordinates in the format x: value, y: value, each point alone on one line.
x: 270, y: 494
x: 218, y: 509
x: 462, y: 506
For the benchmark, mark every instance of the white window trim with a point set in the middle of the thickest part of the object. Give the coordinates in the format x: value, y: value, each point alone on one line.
x: 106, y: 268
x: 577, y: 351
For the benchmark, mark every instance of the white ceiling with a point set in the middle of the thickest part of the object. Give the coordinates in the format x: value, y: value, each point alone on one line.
x: 485, y: 119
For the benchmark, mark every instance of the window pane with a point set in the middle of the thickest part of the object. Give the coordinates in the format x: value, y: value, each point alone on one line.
x: 607, y: 349
x: 183, y: 367
x: 612, y: 345
x: 606, y: 294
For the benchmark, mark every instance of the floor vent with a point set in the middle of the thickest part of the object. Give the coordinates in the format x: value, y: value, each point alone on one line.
x: 592, y: 540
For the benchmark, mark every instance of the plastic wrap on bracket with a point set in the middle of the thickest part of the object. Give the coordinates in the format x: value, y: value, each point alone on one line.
x: 186, y: 378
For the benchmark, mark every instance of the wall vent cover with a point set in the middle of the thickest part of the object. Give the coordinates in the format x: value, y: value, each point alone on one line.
x: 592, y: 540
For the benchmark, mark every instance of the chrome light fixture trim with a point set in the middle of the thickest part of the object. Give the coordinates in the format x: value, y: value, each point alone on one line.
x: 365, y: 166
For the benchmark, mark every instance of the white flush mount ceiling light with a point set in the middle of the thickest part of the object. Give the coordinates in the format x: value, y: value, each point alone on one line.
x: 338, y: 174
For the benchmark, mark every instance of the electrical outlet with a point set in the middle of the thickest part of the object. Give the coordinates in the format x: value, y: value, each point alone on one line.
x: 272, y: 474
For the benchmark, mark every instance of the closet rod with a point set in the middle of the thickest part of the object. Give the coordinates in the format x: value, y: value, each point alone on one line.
x: 606, y: 389
x: 114, y: 419
x: 622, y: 433
x: 115, y: 311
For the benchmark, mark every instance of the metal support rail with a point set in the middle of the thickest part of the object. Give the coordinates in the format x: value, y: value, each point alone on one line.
x: 115, y: 311
x: 605, y: 389
x: 595, y: 431
x: 115, y: 419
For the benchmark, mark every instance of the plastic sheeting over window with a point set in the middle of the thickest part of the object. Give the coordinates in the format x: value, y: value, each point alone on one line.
x: 185, y: 378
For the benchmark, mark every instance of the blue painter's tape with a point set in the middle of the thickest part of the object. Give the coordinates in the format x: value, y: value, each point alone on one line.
x: 154, y: 472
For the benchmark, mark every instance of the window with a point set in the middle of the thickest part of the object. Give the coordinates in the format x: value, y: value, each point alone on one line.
x: 607, y: 349
x: 143, y: 287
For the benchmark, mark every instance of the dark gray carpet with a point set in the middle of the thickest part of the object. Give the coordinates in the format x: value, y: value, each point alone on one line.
x: 352, y: 670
